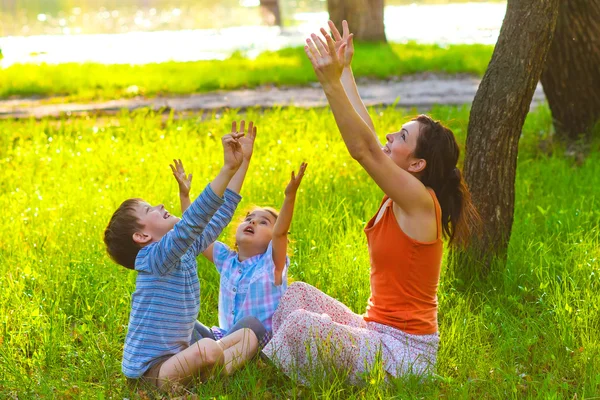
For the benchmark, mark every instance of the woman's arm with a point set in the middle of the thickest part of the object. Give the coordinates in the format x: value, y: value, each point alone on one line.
x: 348, y: 80
x: 351, y: 90
x: 401, y: 186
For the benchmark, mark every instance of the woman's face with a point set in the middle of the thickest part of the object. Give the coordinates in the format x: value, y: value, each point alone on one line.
x: 401, y: 145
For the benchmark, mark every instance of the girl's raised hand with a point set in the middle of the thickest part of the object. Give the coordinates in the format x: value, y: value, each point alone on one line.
x: 326, y: 61
x: 184, y: 181
x: 292, y: 187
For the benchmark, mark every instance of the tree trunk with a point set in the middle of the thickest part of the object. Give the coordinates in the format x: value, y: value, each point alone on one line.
x: 497, y: 116
x: 271, y: 14
x: 571, y: 78
x: 365, y: 17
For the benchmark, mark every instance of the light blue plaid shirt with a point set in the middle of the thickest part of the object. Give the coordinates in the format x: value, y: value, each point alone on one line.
x: 247, y: 288
x: 166, y: 301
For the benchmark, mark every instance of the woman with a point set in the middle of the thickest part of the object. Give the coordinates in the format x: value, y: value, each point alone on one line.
x: 425, y: 199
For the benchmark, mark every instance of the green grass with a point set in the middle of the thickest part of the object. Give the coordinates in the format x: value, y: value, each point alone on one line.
x: 529, y: 331
x: 80, y: 82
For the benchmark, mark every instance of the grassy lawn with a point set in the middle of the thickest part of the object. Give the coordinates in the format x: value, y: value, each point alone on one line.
x: 531, y: 330
x: 81, y: 82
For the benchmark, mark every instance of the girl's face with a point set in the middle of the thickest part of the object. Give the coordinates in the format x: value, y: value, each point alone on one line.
x: 401, y: 145
x: 256, y: 231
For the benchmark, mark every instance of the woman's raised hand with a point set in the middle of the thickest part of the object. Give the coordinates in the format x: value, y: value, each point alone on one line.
x: 346, y: 37
x: 327, y: 62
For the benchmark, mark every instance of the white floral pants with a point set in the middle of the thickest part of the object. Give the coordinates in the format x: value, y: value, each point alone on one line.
x: 314, y: 334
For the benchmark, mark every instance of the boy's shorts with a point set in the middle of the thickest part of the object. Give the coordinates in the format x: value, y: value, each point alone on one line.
x: 150, y: 377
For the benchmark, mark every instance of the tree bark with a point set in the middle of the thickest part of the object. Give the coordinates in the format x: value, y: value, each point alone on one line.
x: 365, y: 17
x: 497, y: 116
x: 271, y: 13
x: 571, y: 78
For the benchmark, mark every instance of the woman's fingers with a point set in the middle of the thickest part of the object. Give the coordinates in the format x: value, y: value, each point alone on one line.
x: 233, y: 127
x: 321, y: 40
x: 310, y: 55
x: 345, y: 29
x: 334, y: 30
x: 341, y: 51
x: 322, y: 49
x: 350, y: 41
x: 331, y: 46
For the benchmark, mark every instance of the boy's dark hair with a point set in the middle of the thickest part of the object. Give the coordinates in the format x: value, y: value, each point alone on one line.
x: 118, y: 235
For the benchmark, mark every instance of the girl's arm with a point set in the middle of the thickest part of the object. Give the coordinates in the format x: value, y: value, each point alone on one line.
x: 184, y: 182
x: 402, y: 187
x: 282, y: 225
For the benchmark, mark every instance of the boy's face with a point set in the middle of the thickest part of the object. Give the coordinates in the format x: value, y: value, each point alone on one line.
x: 256, y: 230
x: 156, y: 222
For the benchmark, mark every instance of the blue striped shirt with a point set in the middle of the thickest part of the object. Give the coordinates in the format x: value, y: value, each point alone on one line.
x: 166, y: 300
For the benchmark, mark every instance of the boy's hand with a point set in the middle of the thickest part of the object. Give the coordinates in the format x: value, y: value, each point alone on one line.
x: 232, y: 151
x: 246, y: 141
x: 184, y: 181
x: 292, y: 187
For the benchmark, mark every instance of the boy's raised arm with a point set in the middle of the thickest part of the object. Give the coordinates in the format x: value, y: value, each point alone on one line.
x: 166, y: 254
x: 232, y: 198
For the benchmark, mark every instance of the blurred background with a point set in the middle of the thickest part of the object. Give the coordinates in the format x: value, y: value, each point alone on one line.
x: 148, y: 31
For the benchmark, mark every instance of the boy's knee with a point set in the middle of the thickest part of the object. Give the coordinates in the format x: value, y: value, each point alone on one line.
x: 250, y: 336
x: 209, y: 351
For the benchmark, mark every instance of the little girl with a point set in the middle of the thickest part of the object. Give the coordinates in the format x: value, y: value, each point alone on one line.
x: 254, y: 278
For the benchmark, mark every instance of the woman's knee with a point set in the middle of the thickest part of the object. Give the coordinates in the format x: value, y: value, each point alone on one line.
x: 299, y: 286
x: 299, y: 319
x: 298, y: 289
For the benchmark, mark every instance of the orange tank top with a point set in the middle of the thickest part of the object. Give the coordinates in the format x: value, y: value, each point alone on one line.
x: 405, y: 274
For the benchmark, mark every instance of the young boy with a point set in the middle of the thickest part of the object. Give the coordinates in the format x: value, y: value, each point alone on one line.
x: 162, y: 248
